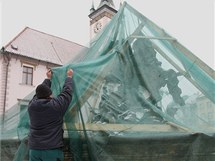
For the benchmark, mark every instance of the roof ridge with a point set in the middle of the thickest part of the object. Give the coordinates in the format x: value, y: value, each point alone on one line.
x: 55, y: 36
x: 55, y: 50
x: 10, y: 42
x: 26, y: 28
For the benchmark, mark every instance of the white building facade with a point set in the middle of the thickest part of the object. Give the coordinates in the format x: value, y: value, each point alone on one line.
x: 25, y: 60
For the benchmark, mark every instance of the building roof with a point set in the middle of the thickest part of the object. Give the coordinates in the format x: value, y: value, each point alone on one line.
x: 42, y: 46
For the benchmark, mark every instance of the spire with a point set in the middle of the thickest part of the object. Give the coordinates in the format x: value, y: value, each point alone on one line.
x: 107, y: 2
x: 121, y: 2
x: 92, y: 9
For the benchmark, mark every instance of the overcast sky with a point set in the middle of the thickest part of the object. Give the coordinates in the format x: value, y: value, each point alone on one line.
x: 191, y: 22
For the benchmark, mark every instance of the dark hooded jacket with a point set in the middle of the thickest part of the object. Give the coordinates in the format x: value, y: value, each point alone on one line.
x: 46, y: 118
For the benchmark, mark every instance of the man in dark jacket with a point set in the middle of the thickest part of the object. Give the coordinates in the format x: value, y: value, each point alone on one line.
x: 46, y: 120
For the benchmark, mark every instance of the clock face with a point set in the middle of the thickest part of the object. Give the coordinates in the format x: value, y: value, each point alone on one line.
x: 97, y: 27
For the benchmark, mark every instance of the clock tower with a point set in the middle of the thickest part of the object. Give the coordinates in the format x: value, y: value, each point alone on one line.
x: 101, y: 16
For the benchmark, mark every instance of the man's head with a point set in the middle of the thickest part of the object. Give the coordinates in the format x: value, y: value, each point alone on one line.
x: 43, y: 91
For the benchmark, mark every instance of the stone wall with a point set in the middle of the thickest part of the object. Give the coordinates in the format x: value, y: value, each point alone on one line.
x: 181, y: 147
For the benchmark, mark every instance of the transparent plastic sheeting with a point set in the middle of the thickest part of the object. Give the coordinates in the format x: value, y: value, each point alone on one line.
x: 138, y: 96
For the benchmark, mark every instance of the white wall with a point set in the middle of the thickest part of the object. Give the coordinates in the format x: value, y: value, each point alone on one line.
x: 16, y: 90
x: 1, y: 84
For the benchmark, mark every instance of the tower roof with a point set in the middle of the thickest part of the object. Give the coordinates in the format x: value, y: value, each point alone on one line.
x: 106, y: 2
x: 104, y: 6
x: 92, y: 9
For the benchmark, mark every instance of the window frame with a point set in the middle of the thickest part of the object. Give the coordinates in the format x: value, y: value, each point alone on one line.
x: 27, y: 71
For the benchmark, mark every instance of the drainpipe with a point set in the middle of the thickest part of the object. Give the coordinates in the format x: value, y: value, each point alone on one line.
x: 7, y: 60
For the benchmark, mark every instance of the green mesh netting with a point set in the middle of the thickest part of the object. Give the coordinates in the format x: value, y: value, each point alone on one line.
x: 139, y: 96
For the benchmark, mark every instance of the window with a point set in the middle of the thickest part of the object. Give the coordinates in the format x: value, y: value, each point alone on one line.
x: 27, y: 75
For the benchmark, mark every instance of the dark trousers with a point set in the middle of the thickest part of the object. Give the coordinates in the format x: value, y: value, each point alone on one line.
x: 46, y: 155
